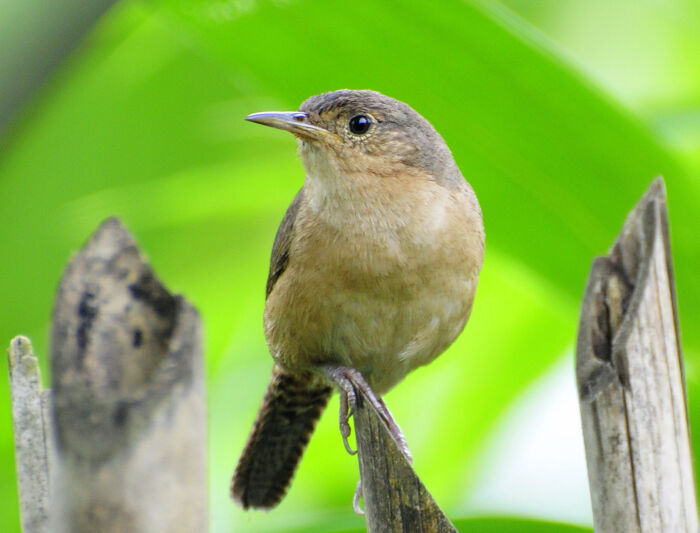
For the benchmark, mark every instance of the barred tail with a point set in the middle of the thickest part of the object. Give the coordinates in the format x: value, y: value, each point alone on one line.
x: 292, y: 405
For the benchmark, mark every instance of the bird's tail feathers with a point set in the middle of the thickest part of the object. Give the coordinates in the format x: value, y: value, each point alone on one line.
x: 292, y: 405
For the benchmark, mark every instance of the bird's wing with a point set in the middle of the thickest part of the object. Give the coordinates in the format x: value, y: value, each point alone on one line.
x: 280, y: 249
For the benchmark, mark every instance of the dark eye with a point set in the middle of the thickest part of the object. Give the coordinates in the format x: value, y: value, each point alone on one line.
x: 360, y: 124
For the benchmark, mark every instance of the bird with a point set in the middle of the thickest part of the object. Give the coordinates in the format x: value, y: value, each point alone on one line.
x: 372, y: 274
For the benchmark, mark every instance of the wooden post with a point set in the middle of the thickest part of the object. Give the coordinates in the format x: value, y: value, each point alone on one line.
x: 395, y: 499
x: 630, y: 379
x: 128, y: 409
x: 31, y: 428
x: 128, y: 397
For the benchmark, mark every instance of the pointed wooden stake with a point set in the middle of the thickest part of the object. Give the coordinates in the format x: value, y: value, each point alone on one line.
x: 630, y: 379
x: 128, y: 397
x: 395, y: 499
x: 31, y: 429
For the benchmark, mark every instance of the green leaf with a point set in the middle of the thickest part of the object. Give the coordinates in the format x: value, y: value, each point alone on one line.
x: 555, y: 163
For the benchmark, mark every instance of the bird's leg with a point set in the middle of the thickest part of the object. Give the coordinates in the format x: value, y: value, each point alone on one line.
x: 395, y: 430
x: 347, y: 401
x: 347, y: 379
x: 347, y: 409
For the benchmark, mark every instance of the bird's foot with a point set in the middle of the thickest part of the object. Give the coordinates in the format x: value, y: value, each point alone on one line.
x: 348, y: 379
x: 348, y: 401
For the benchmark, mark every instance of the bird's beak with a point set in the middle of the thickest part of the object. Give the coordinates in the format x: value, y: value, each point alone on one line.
x: 294, y: 121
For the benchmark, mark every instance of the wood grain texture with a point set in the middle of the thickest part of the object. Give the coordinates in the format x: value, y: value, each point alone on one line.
x: 31, y: 430
x: 630, y: 378
x: 395, y: 499
x: 128, y: 397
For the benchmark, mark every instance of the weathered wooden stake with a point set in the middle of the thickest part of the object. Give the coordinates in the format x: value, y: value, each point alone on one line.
x: 31, y: 428
x: 128, y: 397
x: 128, y: 409
x: 395, y: 499
x: 630, y: 379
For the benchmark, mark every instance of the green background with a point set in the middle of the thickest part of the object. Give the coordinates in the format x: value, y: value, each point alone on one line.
x: 558, y: 112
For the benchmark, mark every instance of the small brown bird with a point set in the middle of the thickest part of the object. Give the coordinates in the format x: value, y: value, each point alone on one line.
x: 373, y: 273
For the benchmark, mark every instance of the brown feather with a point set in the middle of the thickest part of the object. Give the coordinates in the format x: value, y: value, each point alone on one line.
x: 291, y: 407
x: 279, y: 258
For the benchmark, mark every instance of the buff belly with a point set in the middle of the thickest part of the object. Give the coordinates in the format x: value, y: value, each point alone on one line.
x: 370, y: 287
x: 384, y: 328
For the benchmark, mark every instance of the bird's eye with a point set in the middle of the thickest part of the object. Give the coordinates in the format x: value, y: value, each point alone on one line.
x: 360, y: 124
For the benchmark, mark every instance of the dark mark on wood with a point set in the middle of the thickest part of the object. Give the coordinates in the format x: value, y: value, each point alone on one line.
x: 149, y: 290
x: 121, y: 414
x: 87, y: 312
x: 138, y: 338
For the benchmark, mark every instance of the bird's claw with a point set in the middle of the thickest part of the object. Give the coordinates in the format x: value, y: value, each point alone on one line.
x: 356, y: 500
x: 347, y: 409
x: 345, y: 433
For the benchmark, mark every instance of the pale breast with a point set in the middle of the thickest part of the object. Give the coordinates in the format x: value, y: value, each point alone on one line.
x: 383, y: 287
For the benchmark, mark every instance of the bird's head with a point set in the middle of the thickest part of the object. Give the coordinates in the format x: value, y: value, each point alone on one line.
x: 345, y: 132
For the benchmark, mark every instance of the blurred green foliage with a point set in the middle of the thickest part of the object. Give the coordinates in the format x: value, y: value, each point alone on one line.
x: 144, y: 122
